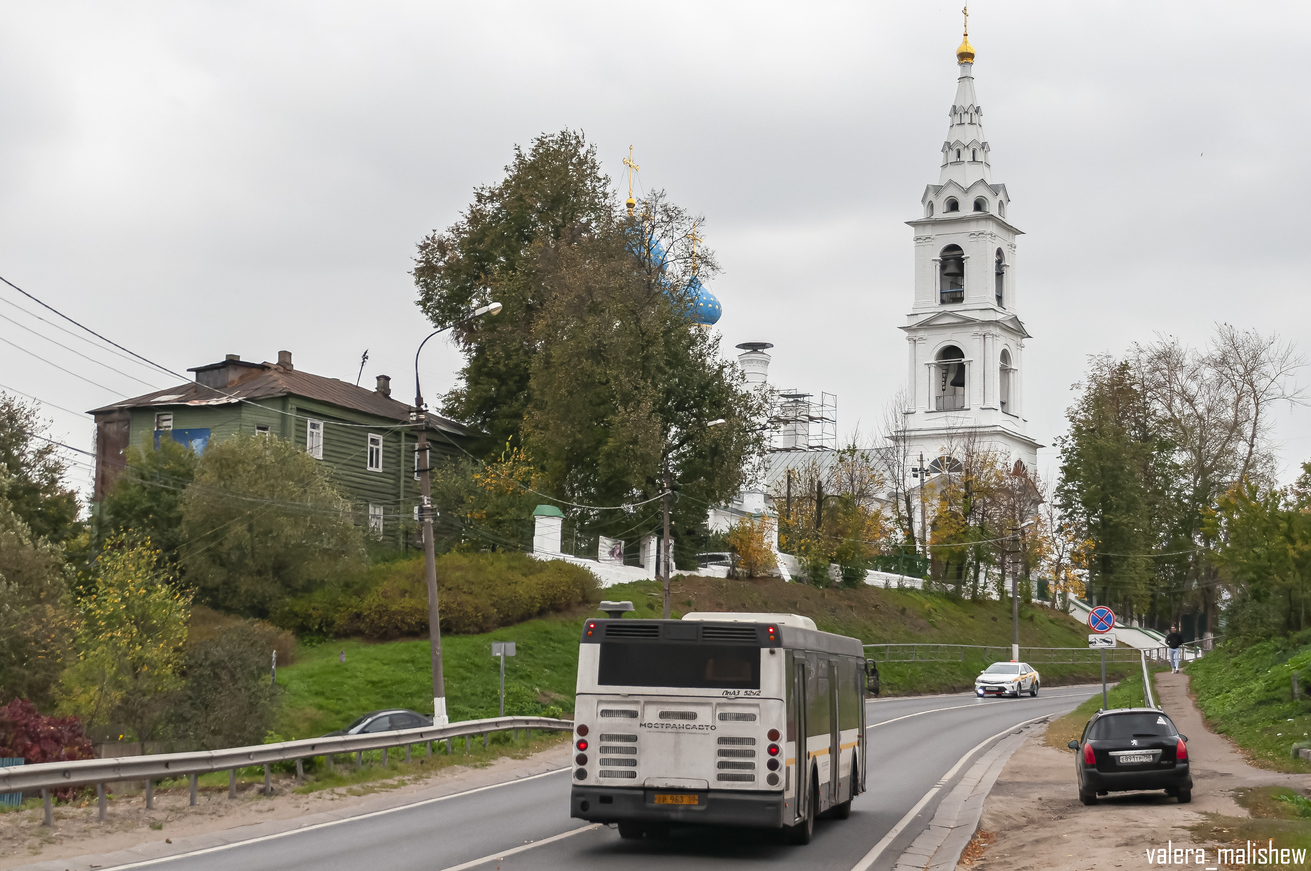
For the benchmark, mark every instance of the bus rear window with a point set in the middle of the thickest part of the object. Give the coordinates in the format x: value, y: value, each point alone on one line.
x: 698, y: 666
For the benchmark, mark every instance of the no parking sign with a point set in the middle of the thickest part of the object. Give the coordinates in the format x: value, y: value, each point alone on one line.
x: 1101, y: 619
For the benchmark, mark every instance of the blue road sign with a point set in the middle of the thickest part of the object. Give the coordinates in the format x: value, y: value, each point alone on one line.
x: 1101, y: 619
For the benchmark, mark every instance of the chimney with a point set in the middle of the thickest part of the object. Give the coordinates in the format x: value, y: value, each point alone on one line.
x: 384, y: 386
x: 234, y: 358
x: 754, y: 362
x: 284, y: 360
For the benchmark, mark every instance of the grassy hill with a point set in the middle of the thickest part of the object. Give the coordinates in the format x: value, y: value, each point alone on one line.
x: 321, y: 693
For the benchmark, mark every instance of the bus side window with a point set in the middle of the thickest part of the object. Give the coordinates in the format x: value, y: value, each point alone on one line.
x: 791, y: 696
x: 849, y: 693
x: 817, y: 696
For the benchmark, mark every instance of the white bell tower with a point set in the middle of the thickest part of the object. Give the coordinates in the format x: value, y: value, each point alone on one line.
x: 965, y: 337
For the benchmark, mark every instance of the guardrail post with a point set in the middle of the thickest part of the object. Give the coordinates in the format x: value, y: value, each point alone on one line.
x: 193, y: 790
x: 300, y: 770
x: 407, y: 754
x: 49, y: 819
x: 150, y: 794
x: 384, y: 757
x: 268, y: 782
x: 232, y: 783
x: 448, y: 746
x: 468, y: 744
x: 486, y: 735
x: 100, y: 801
x: 427, y: 746
x: 359, y: 759
x: 329, y: 763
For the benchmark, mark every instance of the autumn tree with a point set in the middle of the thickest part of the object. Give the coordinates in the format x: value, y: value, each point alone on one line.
x: 130, y: 631
x: 751, y: 540
x: 146, y: 501
x: 36, y: 489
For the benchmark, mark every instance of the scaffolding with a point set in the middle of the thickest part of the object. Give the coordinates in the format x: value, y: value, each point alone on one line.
x: 803, y: 424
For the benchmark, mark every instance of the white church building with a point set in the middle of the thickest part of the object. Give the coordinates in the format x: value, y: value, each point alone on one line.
x: 965, y: 340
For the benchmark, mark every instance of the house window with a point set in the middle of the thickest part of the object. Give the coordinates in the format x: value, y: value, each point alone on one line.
x: 375, y: 520
x: 314, y: 438
x: 375, y: 453
x: 262, y: 429
x: 164, y: 421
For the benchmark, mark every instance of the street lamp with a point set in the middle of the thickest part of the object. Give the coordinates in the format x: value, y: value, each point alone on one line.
x: 1015, y: 596
x: 439, y: 717
x: 666, y: 552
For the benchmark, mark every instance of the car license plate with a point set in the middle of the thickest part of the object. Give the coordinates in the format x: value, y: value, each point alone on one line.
x: 675, y: 798
x: 1134, y: 758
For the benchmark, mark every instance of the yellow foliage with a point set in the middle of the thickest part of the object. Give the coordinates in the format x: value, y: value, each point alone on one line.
x: 750, y: 539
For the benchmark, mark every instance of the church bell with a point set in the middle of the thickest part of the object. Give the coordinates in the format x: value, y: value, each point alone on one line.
x: 958, y: 376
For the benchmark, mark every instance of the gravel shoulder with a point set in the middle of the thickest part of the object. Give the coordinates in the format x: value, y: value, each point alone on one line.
x: 1033, y: 819
x: 131, y: 833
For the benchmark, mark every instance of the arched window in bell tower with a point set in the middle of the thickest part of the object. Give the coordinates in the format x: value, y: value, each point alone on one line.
x: 1007, y: 374
x: 999, y: 278
x: 928, y: 210
x: 952, y: 275
x: 951, y: 205
x: 950, y: 381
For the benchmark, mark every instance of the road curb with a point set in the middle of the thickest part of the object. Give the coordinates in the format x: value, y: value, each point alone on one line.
x: 939, y: 846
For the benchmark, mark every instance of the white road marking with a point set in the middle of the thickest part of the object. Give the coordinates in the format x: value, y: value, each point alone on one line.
x: 973, y: 704
x: 496, y: 857
x: 324, y: 825
x: 868, y: 860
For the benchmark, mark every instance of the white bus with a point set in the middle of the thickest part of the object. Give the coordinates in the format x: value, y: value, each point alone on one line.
x: 730, y: 719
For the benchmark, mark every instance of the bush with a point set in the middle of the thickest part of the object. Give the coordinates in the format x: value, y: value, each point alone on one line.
x: 208, y: 625
x: 26, y: 734
x: 228, y: 699
x: 477, y: 593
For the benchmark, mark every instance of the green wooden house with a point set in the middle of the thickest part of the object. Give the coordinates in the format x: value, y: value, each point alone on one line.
x: 363, y: 436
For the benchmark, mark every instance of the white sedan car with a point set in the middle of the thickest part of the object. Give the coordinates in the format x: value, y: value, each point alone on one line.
x: 1007, y: 678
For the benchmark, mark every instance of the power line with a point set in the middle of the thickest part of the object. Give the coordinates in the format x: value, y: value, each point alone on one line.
x: 78, y: 336
x: 78, y: 353
x: 42, y: 401
x: 57, y: 366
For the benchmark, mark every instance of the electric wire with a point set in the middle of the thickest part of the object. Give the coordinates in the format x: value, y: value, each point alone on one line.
x: 76, y: 352
x: 78, y: 336
x: 57, y: 366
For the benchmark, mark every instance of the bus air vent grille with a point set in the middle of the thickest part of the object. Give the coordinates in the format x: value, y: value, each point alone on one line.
x: 622, y: 750
x: 678, y: 715
x: 729, y: 633
x: 618, y: 739
x: 739, y: 766
x: 740, y: 742
x: 623, y: 763
x: 612, y: 712
x: 632, y: 775
x: 632, y: 629
x: 724, y: 776
x: 736, y: 717
x: 731, y: 753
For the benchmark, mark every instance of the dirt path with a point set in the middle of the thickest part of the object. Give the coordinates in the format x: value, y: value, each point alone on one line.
x: 1035, y: 819
x: 218, y: 819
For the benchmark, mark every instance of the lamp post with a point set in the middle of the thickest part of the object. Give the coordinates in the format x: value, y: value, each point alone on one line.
x: 1015, y: 597
x: 439, y: 717
x: 667, y: 552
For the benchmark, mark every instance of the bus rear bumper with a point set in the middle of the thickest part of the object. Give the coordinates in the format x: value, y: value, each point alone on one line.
x: 716, y: 807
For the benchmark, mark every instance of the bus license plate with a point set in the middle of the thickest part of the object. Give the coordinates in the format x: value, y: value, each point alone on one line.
x: 673, y: 798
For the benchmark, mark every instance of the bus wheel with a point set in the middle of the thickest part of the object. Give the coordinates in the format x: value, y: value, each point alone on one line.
x: 630, y: 830
x: 802, y: 832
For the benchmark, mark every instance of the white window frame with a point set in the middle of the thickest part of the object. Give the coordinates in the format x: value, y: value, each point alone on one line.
x: 375, y: 520
x: 374, y: 461
x: 163, y: 421
x: 263, y: 429
x: 314, y: 438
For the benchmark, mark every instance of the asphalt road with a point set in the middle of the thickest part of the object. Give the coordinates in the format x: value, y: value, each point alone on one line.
x: 525, y: 825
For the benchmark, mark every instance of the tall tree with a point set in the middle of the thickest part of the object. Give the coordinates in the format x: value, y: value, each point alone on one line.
x: 36, y: 489
x: 554, y: 189
x: 146, y: 502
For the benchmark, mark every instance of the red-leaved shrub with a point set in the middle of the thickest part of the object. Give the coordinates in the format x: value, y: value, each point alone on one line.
x: 25, y: 733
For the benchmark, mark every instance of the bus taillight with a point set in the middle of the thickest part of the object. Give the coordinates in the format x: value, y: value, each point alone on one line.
x: 773, y: 749
x: 591, y: 626
x: 582, y: 744
x: 581, y: 759
x: 582, y: 729
x: 773, y: 734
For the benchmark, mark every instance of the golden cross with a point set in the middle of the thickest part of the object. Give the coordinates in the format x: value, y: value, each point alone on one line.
x: 632, y: 168
x: 695, y: 239
x: 966, y: 13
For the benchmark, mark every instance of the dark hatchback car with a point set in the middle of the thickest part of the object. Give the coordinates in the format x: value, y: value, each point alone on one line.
x: 391, y: 720
x: 1132, y: 749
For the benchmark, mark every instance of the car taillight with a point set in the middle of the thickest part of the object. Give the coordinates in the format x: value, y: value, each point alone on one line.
x: 582, y: 729
x: 1181, y: 752
x: 582, y: 744
x: 772, y: 734
x: 1088, y: 757
x: 773, y: 749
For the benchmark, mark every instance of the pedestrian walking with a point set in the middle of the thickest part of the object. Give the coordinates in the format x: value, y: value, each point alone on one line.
x: 1172, y: 641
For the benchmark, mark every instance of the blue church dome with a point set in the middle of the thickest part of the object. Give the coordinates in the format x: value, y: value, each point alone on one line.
x: 705, y: 305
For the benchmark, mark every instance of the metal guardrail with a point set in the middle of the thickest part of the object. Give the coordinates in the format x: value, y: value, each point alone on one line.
x: 911, y: 652
x: 49, y: 776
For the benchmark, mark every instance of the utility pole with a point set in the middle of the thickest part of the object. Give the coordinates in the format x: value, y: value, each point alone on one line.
x: 664, y: 543
x: 924, y: 529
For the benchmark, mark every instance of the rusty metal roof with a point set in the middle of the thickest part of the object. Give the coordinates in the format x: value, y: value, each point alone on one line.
x: 271, y: 380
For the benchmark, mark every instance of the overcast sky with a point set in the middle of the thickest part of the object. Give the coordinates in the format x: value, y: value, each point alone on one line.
x: 194, y: 179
